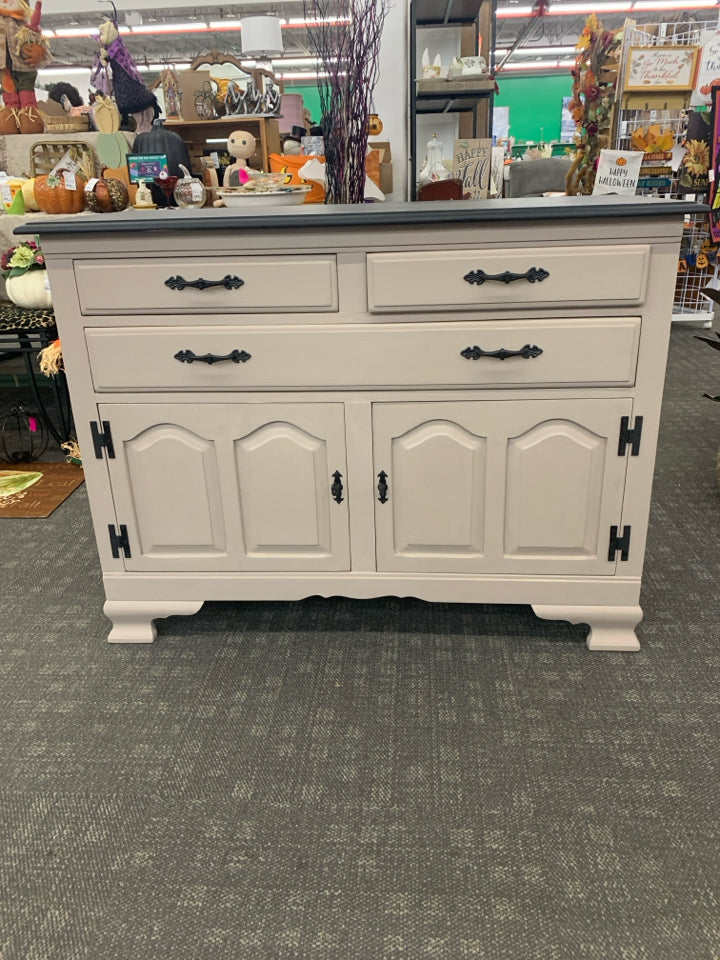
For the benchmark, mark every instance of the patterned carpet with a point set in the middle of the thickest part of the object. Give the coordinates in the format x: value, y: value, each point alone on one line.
x: 346, y: 780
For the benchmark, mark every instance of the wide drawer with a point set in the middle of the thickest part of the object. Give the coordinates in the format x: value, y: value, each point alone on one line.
x: 462, y: 279
x: 255, y: 285
x: 559, y: 353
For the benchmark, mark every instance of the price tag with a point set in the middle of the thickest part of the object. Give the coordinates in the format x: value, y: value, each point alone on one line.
x: 69, y: 180
x: 90, y: 185
x: 47, y: 282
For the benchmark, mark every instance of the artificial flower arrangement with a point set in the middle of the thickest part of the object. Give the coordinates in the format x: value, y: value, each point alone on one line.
x: 18, y: 260
x: 26, y: 280
x: 593, y: 94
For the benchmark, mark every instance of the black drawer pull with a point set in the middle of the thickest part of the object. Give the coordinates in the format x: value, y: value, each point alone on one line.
x: 237, y: 356
x: 533, y: 275
x: 527, y: 352
x: 179, y: 283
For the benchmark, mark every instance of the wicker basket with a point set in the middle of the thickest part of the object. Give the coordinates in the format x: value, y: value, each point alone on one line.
x: 66, y: 124
x: 45, y: 154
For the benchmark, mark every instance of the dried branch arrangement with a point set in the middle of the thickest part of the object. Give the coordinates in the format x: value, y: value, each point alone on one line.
x: 348, y: 50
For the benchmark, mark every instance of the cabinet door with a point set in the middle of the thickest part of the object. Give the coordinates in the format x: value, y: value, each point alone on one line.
x: 230, y: 486
x: 527, y: 487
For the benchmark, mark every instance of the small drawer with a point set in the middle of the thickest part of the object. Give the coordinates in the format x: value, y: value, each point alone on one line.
x: 554, y: 353
x: 297, y: 284
x: 463, y: 279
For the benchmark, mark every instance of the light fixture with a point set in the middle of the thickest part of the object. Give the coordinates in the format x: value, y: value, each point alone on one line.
x: 261, y: 37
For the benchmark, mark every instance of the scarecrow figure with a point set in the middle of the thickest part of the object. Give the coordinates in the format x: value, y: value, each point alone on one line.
x: 23, y: 50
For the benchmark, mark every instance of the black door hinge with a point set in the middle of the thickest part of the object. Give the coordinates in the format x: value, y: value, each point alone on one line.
x: 102, y: 438
x: 628, y: 436
x: 119, y: 541
x: 619, y: 543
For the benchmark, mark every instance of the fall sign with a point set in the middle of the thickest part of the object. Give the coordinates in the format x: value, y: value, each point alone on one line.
x: 471, y: 164
x: 660, y: 68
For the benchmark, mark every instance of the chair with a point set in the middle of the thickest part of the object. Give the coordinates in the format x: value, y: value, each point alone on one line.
x: 534, y: 178
x: 443, y: 190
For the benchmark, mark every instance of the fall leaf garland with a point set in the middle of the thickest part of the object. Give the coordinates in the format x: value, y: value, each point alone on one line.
x: 593, y: 93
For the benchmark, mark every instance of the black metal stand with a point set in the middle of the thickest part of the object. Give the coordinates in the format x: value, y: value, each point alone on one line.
x: 25, y: 332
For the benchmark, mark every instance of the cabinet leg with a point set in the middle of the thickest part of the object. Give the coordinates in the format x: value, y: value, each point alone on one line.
x: 611, y: 628
x: 132, y: 620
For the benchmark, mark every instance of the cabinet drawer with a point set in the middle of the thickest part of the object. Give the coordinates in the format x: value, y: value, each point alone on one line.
x: 426, y: 280
x: 588, y: 351
x: 267, y: 284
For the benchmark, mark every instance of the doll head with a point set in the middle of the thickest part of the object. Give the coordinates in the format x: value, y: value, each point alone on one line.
x: 241, y: 145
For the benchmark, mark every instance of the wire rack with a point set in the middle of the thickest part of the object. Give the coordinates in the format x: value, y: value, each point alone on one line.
x: 696, y: 269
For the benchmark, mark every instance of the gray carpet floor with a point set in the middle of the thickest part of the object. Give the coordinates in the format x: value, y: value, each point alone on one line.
x: 358, y: 780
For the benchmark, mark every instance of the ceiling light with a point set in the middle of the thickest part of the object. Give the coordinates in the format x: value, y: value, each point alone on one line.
x: 673, y: 4
x: 537, y: 51
x: 505, y: 12
x: 558, y: 65
x: 197, y: 26
x: 562, y: 9
x: 225, y: 25
x: 312, y: 22
x: 309, y: 75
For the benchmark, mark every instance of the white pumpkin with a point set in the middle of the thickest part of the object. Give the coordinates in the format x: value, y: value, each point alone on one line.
x: 30, y: 289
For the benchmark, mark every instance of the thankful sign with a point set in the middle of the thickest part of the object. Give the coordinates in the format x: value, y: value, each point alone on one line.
x: 660, y: 68
x: 617, y: 172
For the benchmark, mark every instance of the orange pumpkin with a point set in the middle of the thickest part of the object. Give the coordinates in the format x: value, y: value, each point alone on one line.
x: 54, y: 197
x: 621, y: 161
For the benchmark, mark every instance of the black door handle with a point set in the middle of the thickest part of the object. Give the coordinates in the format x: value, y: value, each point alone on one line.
x: 533, y: 275
x: 237, y: 356
x: 382, y: 487
x: 337, y: 488
x: 229, y: 282
x: 527, y: 352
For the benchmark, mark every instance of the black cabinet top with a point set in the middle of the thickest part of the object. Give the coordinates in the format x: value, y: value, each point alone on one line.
x: 319, y: 216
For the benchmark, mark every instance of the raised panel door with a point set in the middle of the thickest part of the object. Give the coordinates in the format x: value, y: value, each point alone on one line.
x: 230, y: 486
x: 529, y: 487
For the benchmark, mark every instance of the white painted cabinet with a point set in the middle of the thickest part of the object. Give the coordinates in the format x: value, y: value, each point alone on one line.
x: 453, y: 401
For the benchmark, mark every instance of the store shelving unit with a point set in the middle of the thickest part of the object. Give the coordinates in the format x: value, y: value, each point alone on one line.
x: 470, y: 99
x: 689, y: 305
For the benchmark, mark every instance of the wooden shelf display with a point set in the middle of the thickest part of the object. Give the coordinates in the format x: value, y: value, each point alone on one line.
x: 196, y: 133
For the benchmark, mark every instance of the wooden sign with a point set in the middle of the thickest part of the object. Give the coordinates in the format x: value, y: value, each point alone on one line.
x: 660, y: 68
x: 471, y: 164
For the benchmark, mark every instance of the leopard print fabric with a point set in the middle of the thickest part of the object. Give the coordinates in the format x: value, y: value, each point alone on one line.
x: 13, y: 318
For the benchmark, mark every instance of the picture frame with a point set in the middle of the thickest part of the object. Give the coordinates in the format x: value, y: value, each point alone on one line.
x: 658, y: 69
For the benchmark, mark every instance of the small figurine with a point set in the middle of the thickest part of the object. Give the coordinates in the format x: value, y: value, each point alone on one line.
x: 143, y: 197
x: 241, y: 145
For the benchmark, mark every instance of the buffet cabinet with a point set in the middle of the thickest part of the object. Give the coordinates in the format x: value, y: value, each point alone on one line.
x: 448, y: 405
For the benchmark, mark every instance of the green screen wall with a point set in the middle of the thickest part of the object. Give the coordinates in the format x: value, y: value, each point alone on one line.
x: 535, y: 104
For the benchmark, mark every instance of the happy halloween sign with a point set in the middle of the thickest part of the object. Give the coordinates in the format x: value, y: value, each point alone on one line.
x: 618, y: 171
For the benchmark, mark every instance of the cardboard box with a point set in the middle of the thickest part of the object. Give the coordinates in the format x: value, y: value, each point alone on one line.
x: 386, y: 171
